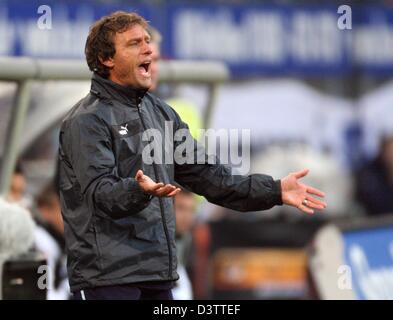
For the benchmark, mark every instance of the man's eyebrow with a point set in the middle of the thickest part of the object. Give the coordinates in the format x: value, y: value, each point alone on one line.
x: 139, y: 38
x: 134, y: 39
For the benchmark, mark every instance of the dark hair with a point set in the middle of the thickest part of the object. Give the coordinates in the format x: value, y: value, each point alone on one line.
x: 47, y: 195
x: 18, y: 168
x: 99, y: 43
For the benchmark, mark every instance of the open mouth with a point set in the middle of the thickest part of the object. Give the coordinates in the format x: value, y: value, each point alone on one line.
x: 145, y: 68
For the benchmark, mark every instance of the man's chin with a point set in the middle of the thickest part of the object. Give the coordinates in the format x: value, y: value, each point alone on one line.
x: 145, y: 85
x: 152, y: 88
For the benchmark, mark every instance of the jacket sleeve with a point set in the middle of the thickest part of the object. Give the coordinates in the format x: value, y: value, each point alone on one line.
x: 219, y: 185
x: 94, y: 165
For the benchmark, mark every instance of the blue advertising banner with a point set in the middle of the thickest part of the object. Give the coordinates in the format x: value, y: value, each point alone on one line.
x: 255, y: 39
x: 369, y: 253
x: 251, y: 39
x: 57, y: 29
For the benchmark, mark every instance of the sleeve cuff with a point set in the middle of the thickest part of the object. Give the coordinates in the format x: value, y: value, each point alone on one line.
x: 143, y: 195
x: 277, y: 194
x: 138, y: 194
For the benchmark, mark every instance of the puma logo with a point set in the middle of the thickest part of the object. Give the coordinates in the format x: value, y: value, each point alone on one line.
x: 124, y: 130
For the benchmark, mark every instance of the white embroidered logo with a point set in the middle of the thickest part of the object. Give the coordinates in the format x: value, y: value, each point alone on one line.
x: 124, y: 130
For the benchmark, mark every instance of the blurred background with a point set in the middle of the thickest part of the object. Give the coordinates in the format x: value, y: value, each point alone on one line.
x: 312, y: 80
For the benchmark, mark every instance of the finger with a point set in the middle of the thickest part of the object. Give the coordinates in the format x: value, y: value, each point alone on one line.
x: 316, y: 202
x: 139, y: 175
x: 313, y: 205
x: 173, y: 193
x: 317, y: 192
x: 163, y: 191
x: 169, y: 187
x: 306, y: 209
x: 166, y: 192
x: 301, y: 174
x: 157, y: 186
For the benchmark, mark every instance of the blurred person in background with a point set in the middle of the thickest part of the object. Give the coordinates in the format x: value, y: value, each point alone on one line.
x: 48, y: 204
x: 48, y: 230
x: 374, y: 182
x: 16, y: 234
x: 18, y: 185
x: 119, y: 222
x: 155, y: 45
x: 17, y: 192
x: 185, y: 207
x: 49, y: 240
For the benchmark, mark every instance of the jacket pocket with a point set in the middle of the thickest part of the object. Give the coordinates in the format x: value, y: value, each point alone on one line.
x: 98, y: 246
x: 72, y: 196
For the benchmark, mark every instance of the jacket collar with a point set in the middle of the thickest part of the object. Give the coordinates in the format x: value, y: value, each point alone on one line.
x: 111, y: 90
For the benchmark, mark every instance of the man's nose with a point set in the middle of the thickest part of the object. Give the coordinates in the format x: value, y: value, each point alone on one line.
x: 147, y: 48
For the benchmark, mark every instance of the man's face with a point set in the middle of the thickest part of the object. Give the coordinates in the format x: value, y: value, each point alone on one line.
x: 51, y: 212
x: 156, y: 56
x: 131, y: 64
x: 18, y: 187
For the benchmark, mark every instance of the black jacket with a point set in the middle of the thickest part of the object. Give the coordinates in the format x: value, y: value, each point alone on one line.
x: 115, y: 233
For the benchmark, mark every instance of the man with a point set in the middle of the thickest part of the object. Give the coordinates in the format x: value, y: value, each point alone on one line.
x: 185, y: 206
x: 374, y: 181
x: 18, y: 186
x: 49, y: 239
x: 48, y: 230
x: 117, y: 207
x: 155, y: 45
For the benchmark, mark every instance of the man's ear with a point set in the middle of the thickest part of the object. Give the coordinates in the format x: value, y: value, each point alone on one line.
x: 108, y: 62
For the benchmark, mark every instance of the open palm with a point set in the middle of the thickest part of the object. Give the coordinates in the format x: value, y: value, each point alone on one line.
x: 155, y: 188
x: 299, y: 195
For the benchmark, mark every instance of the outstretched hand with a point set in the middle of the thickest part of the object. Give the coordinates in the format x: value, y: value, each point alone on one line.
x: 298, y: 195
x: 155, y: 188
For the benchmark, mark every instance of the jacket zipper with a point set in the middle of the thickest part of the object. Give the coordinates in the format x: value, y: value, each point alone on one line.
x: 160, y: 201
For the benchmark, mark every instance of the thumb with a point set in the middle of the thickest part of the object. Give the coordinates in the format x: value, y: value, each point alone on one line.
x: 302, y: 173
x: 139, y: 175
